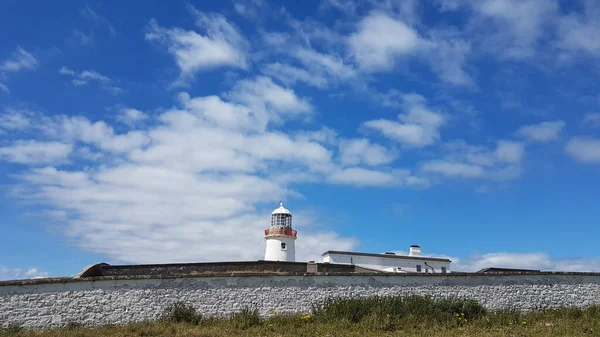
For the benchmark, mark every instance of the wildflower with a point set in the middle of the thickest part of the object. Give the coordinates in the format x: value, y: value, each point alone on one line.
x: 270, y: 324
x: 456, y: 315
x: 523, y: 322
x: 462, y: 314
x: 510, y: 323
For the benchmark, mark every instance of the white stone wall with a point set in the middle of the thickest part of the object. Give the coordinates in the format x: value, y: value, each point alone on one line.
x: 121, y: 301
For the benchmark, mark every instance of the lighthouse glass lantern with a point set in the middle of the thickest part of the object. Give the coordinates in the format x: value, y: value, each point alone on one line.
x: 280, y: 237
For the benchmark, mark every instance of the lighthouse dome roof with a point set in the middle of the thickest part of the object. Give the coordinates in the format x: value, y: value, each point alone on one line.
x: 281, y: 210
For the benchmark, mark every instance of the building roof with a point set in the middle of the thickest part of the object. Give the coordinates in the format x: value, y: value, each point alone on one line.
x: 389, y: 256
x: 281, y: 210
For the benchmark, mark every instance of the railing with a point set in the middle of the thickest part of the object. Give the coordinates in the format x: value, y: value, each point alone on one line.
x: 280, y: 231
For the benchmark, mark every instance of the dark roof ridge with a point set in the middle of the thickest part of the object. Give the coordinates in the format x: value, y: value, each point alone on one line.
x: 391, y: 256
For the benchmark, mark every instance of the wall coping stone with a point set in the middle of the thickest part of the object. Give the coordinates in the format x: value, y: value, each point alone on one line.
x: 58, y: 280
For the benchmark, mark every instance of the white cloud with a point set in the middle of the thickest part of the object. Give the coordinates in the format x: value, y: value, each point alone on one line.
x: 592, y: 120
x: 447, y: 57
x: 3, y: 87
x: 131, y: 117
x: 584, y: 149
x: 578, y: 32
x: 512, y: 29
x: 221, y: 46
x: 535, y: 261
x: 15, y: 119
x: 80, y: 38
x: 357, y: 176
x: 419, y: 126
x: 363, y: 177
x: 34, y: 152
x: 86, y: 76
x: 290, y: 75
x: 510, y: 151
x: 7, y: 273
x: 325, y: 64
x: 375, y: 48
x: 180, y: 192
x: 454, y: 169
x: 362, y: 151
x: 542, y: 132
x: 69, y: 130
x: 89, y: 14
x: 465, y: 161
x: 19, y: 60
x: 269, y: 101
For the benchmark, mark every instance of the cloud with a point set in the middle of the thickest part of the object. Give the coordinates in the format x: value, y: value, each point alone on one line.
x: 71, y: 130
x: 584, y: 149
x: 34, y: 152
x: 535, y: 261
x: 454, y: 169
x: 577, y: 32
x: 221, y: 46
x: 532, y: 260
x: 80, y: 38
x: 291, y: 75
x: 202, y: 176
x: 91, y: 15
x: 363, y: 177
x: 362, y: 151
x: 374, y: 48
x: 269, y: 101
x: 510, y: 29
x: 418, y: 126
x: 7, y: 273
x: 542, y: 132
x: 509, y: 151
x: 19, y: 60
x: 465, y: 161
x: 86, y: 76
x: 15, y: 119
x: 447, y: 57
x: 4, y: 88
x: 592, y: 120
x: 131, y: 117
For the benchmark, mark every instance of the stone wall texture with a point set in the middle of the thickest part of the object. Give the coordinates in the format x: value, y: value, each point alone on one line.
x: 103, y: 301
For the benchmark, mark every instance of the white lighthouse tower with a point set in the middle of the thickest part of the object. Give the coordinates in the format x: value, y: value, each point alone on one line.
x: 280, y: 237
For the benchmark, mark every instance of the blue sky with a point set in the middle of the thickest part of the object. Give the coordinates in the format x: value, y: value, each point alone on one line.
x: 148, y: 132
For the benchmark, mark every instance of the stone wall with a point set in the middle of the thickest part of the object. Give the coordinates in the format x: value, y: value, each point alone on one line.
x: 50, y: 303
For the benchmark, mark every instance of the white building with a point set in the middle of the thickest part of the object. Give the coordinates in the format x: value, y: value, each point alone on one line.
x: 280, y: 237
x: 414, y: 262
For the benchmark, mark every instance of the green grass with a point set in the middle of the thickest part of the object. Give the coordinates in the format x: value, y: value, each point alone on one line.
x: 390, y: 316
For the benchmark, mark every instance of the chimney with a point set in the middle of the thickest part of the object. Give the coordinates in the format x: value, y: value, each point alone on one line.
x: 415, y: 250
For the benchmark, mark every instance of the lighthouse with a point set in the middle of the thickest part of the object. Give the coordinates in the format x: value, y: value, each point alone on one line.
x: 280, y: 237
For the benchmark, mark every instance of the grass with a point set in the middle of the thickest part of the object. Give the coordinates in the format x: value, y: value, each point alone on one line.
x: 390, y: 316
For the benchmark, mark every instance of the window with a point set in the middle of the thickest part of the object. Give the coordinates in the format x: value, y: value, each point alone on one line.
x: 283, y: 245
x: 418, y: 268
x: 444, y: 270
